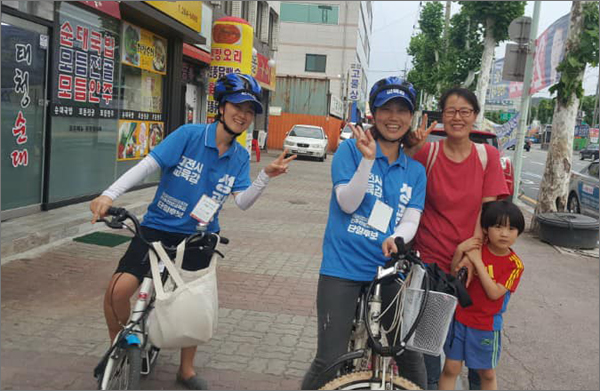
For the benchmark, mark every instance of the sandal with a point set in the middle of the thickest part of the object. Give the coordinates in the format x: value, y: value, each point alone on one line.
x: 193, y: 383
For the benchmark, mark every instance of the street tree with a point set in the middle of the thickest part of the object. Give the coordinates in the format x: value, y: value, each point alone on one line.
x: 463, y: 53
x: 425, y: 49
x: 581, y: 49
x: 495, y: 17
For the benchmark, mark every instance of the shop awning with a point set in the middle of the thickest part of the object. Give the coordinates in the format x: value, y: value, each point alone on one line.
x: 194, y: 52
x: 152, y: 19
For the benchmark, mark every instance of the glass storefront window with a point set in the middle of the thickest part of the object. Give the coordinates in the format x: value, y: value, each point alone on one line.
x: 84, y: 106
x: 141, y: 120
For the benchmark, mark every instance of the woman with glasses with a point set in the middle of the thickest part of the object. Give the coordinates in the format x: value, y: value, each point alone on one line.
x: 458, y: 183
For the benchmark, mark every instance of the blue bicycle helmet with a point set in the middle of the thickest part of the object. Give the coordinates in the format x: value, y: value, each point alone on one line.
x: 390, y: 88
x: 238, y: 88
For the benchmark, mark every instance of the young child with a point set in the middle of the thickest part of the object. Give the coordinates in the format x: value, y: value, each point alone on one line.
x: 474, y: 336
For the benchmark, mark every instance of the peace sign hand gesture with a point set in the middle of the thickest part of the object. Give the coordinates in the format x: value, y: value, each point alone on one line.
x: 280, y: 165
x: 417, y: 139
x: 364, y: 142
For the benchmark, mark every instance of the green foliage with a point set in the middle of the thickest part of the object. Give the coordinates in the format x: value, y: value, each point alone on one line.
x: 465, y: 47
x: 423, y: 48
x: 494, y: 116
x: 587, y: 106
x: 579, y: 53
x: 544, y: 111
x: 501, y: 12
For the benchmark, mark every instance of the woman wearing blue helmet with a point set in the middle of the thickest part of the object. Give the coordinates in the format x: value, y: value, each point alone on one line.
x: 373, y: 180
x: 196, y: 160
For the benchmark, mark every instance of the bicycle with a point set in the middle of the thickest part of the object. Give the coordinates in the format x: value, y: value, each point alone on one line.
x: 131, y: 354
x: 420, y: 323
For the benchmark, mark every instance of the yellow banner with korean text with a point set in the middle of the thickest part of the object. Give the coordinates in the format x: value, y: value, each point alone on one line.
x: 232, y: 40
x: 143, y: 49
x: 188, y: 13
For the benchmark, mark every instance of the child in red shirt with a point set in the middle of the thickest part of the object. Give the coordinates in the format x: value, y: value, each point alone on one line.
x: 474, y: 336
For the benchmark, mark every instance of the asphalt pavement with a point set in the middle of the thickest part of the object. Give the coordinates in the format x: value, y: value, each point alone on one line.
x: 53, y: 330
x: 532, y: 171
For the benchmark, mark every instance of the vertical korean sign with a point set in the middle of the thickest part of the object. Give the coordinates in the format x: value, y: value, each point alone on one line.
x: 354, y: 78
x: 232, y: 40
x: 85, y: 71
x: 141, y: 123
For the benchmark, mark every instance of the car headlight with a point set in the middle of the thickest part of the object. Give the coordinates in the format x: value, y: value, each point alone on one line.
x: 289, y: 143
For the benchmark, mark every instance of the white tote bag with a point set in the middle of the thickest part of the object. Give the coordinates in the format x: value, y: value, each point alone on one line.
x: 185, y: 310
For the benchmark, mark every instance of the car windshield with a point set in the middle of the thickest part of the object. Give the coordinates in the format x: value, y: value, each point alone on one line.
x: 303, y: 131
x: 592, y: 147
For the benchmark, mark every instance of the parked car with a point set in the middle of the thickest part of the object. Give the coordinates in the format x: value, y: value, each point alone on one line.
x: 483, y: 137
x: 346, y: 133
x: 307, y: 140
x: 591, y: 151
x: 583, y: 190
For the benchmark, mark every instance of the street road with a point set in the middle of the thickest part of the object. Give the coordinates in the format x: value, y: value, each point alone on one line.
x: 532, y: 171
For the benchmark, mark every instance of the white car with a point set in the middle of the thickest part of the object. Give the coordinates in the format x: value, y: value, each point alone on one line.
x: 306, y: 140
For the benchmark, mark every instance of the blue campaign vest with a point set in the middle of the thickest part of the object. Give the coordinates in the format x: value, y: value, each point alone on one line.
x: 191, y: 167
x: 351, y: 248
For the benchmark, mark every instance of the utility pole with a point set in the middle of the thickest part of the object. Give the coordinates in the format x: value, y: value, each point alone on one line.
x: 595, y: 116
x: 525, y: 98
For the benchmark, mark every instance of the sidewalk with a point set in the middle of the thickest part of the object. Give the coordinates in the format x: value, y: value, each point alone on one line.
x: 53, y: 331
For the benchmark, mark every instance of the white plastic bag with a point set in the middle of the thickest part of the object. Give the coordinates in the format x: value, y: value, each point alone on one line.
x: 186, y: 309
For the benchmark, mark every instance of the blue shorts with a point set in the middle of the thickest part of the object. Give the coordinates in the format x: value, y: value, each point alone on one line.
x: 479, y: 349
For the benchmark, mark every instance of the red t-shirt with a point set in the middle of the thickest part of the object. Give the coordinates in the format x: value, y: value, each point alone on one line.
x: 453, y: 201
x: 486, y: 314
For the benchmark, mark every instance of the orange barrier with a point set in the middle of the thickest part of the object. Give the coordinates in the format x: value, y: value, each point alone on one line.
x: 281, y: 124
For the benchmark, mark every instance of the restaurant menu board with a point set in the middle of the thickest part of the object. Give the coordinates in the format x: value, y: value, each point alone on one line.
x: 143, y: 49
x: 138, y: 138
x: 85, y: 68
x: 141, y: 125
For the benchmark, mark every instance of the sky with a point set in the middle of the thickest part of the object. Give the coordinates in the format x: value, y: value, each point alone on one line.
x: 393, y: 23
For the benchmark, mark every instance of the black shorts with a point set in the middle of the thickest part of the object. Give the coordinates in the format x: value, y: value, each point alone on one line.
x: 136, y: 261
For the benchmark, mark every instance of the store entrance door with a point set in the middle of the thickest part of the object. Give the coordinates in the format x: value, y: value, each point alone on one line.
x: 24, y: 70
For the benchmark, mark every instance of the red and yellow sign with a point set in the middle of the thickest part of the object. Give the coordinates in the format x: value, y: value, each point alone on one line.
x: 232, y: 40
x: 188, y: 13
x: 143, y: 49
x: 263, y: 72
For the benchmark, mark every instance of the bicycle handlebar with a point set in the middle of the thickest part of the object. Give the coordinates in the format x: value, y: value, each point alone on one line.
x: 122, y: 214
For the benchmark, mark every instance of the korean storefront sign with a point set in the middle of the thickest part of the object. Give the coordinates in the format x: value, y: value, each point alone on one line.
x: 263, y: 72
x: 188, y: 13
x: 23, y: 58
x: 231, y: 53
x: 85, y: 70
x: 354, y: 77
x: 143, y: 49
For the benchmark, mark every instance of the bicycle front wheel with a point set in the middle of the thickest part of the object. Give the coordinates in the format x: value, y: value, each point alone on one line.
x: 123, y: 369
x: 362, y: 381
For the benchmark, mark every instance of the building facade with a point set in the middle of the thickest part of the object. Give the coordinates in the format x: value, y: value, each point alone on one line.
x: 329, y: 41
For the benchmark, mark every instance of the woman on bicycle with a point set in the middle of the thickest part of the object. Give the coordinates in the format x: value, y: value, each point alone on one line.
x: 196, y: 160
x: 457, y: 185
x: 378, y: 194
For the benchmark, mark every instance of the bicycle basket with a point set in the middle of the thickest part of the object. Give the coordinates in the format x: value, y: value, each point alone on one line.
x: 431, y: 332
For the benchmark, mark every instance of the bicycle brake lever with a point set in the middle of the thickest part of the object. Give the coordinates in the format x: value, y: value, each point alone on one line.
x: 112, y: 223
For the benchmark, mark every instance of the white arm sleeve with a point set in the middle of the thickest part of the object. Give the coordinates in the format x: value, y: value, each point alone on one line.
x: 350, y: 195
x: 407, y: 227
x: 132, y: 177
x: 246, y: 198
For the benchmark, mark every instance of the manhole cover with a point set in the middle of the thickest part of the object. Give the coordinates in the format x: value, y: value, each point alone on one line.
x: 298, y: 202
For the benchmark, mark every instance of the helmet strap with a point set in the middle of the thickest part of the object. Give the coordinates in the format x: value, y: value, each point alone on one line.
x: 227, y: 128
